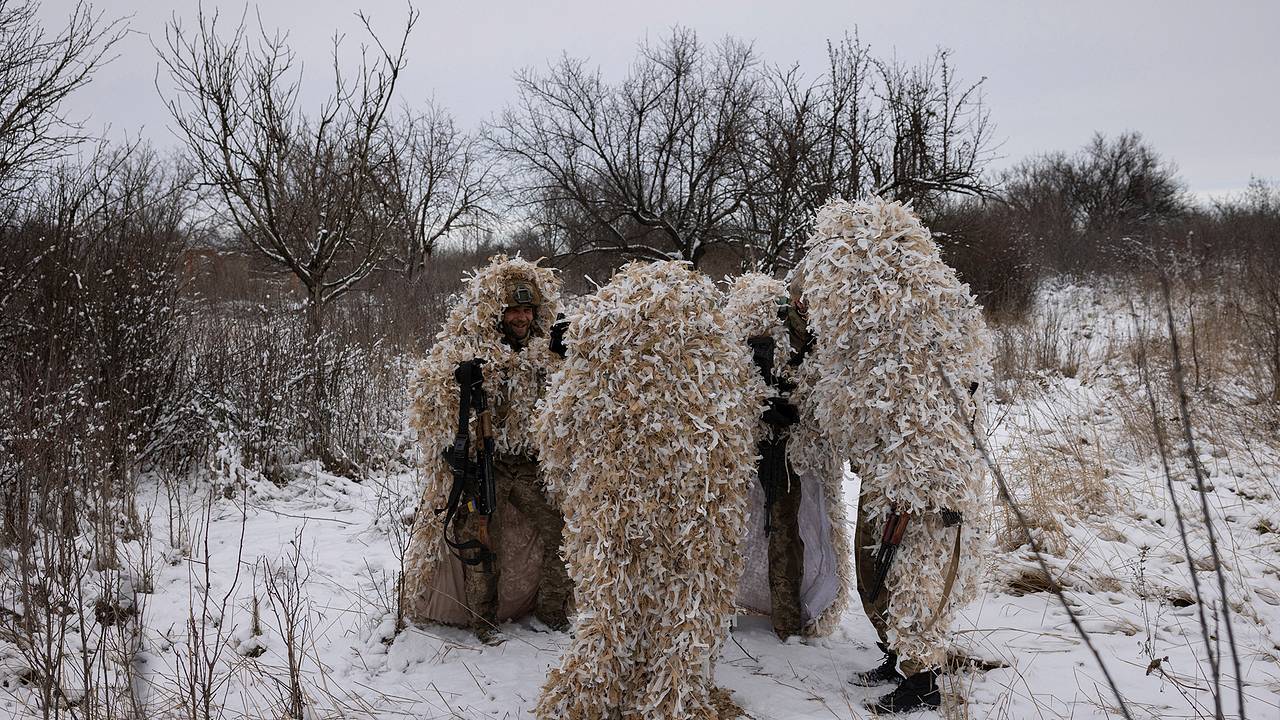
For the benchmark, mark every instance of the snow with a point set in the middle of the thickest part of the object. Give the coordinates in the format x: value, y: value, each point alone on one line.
x: 1120, y: 560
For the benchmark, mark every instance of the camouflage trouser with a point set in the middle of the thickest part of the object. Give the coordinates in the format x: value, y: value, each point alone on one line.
x: 866, y: 541
x: 516, y: 479
x: 786, y: 560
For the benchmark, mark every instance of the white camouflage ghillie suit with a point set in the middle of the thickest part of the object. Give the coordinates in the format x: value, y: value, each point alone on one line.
x: 646, y: 437
x: 901, y: 346
x: 525, y: 526
x: 799, y: 573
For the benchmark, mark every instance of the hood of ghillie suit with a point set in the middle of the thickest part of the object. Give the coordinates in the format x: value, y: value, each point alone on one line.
x: 647, y: 435
x: 893, y: 326
x: 515, y: 382
x: 477, y: 311
x: 751, y: 304
x: 751, y: 307
x: 899, y: 342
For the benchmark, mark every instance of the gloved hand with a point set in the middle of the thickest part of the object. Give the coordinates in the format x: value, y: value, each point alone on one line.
x: 558, y: 329
x: 781, y: 413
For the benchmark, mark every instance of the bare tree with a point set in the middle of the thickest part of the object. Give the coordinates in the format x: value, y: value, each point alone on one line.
x: 937, y: 132
x: 809, y: 144
x: 303, y: 189
x: 306, y: 191
x: 1079, y: 208
x: 646, y: 168
x: 38, y: 70
x: 1122, y: 184
x: 865, y: 126
x: 439, y: 181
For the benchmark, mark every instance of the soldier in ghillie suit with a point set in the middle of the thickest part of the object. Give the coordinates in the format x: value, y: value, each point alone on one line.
x: 902, y: 356
x: 797, y: 548
x: 463, y: 567
x: 647, y: 438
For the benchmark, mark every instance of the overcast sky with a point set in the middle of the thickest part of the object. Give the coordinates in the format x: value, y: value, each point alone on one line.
x: 1201, y: 81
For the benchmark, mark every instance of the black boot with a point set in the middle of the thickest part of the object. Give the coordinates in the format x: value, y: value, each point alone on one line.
x: 885, y: 672
x: 916, y: 691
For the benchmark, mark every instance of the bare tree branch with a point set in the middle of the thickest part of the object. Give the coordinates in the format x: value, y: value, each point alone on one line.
x: 37, y: 72
x: 645, y: 168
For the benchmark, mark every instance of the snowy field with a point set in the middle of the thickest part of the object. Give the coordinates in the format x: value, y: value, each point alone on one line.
x: 245, y: 584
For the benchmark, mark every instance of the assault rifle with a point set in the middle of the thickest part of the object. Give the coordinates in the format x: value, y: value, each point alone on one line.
x: 773, y: 469
x: 895, y: 526
x: 473, y: 478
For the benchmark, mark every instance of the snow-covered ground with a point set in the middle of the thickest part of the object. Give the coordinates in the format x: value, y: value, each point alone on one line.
x: 319, y: 555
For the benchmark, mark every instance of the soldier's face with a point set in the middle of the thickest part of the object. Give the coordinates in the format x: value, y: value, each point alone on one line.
x: 519, y: 320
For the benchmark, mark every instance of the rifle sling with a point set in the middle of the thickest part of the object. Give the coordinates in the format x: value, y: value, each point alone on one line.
x: 952, y: 571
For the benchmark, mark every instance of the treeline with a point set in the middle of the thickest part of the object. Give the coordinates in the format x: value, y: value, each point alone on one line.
x: 1113, y: 207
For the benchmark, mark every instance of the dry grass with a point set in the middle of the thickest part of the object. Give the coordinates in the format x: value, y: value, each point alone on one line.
x: 1031, y: 348
x: 1060, y: 460
x: 1059, y: 467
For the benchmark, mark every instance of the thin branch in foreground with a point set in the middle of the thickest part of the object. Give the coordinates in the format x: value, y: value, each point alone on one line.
x: 1184, y: 413
x: 1162, y: 447
x: 981, y: 444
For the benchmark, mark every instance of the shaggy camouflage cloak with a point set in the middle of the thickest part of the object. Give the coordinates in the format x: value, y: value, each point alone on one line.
x: 433, y: 578
x: 647, y: 435
x: 752, y: 306
x: 894, y: 328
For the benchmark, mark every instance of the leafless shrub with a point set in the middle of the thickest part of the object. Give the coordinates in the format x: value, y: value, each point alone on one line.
x: 1027, y: 350
x: 201, y: 669
x: 284, y: 581
x: 250, y: 393
x: 94, y: 330
x: 979, y: 240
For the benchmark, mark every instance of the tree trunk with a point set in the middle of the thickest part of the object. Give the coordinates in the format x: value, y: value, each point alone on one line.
x: 319, y: 412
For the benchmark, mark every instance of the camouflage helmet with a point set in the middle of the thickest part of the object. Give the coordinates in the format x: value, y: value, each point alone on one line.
x: 520, y: 291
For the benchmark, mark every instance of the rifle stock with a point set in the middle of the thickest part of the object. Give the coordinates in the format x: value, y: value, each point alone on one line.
x: 895, y: 527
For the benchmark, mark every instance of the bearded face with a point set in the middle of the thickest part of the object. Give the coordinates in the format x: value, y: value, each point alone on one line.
x: 517, y: 321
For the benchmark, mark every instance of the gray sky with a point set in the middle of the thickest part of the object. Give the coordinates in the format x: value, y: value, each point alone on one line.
x: 1199, y: 80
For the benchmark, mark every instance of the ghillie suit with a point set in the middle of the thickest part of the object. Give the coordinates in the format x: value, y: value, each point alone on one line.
x: 525, y: 527
x: 646, y: 435
x: 799, y: 572
x: 902, y: 356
